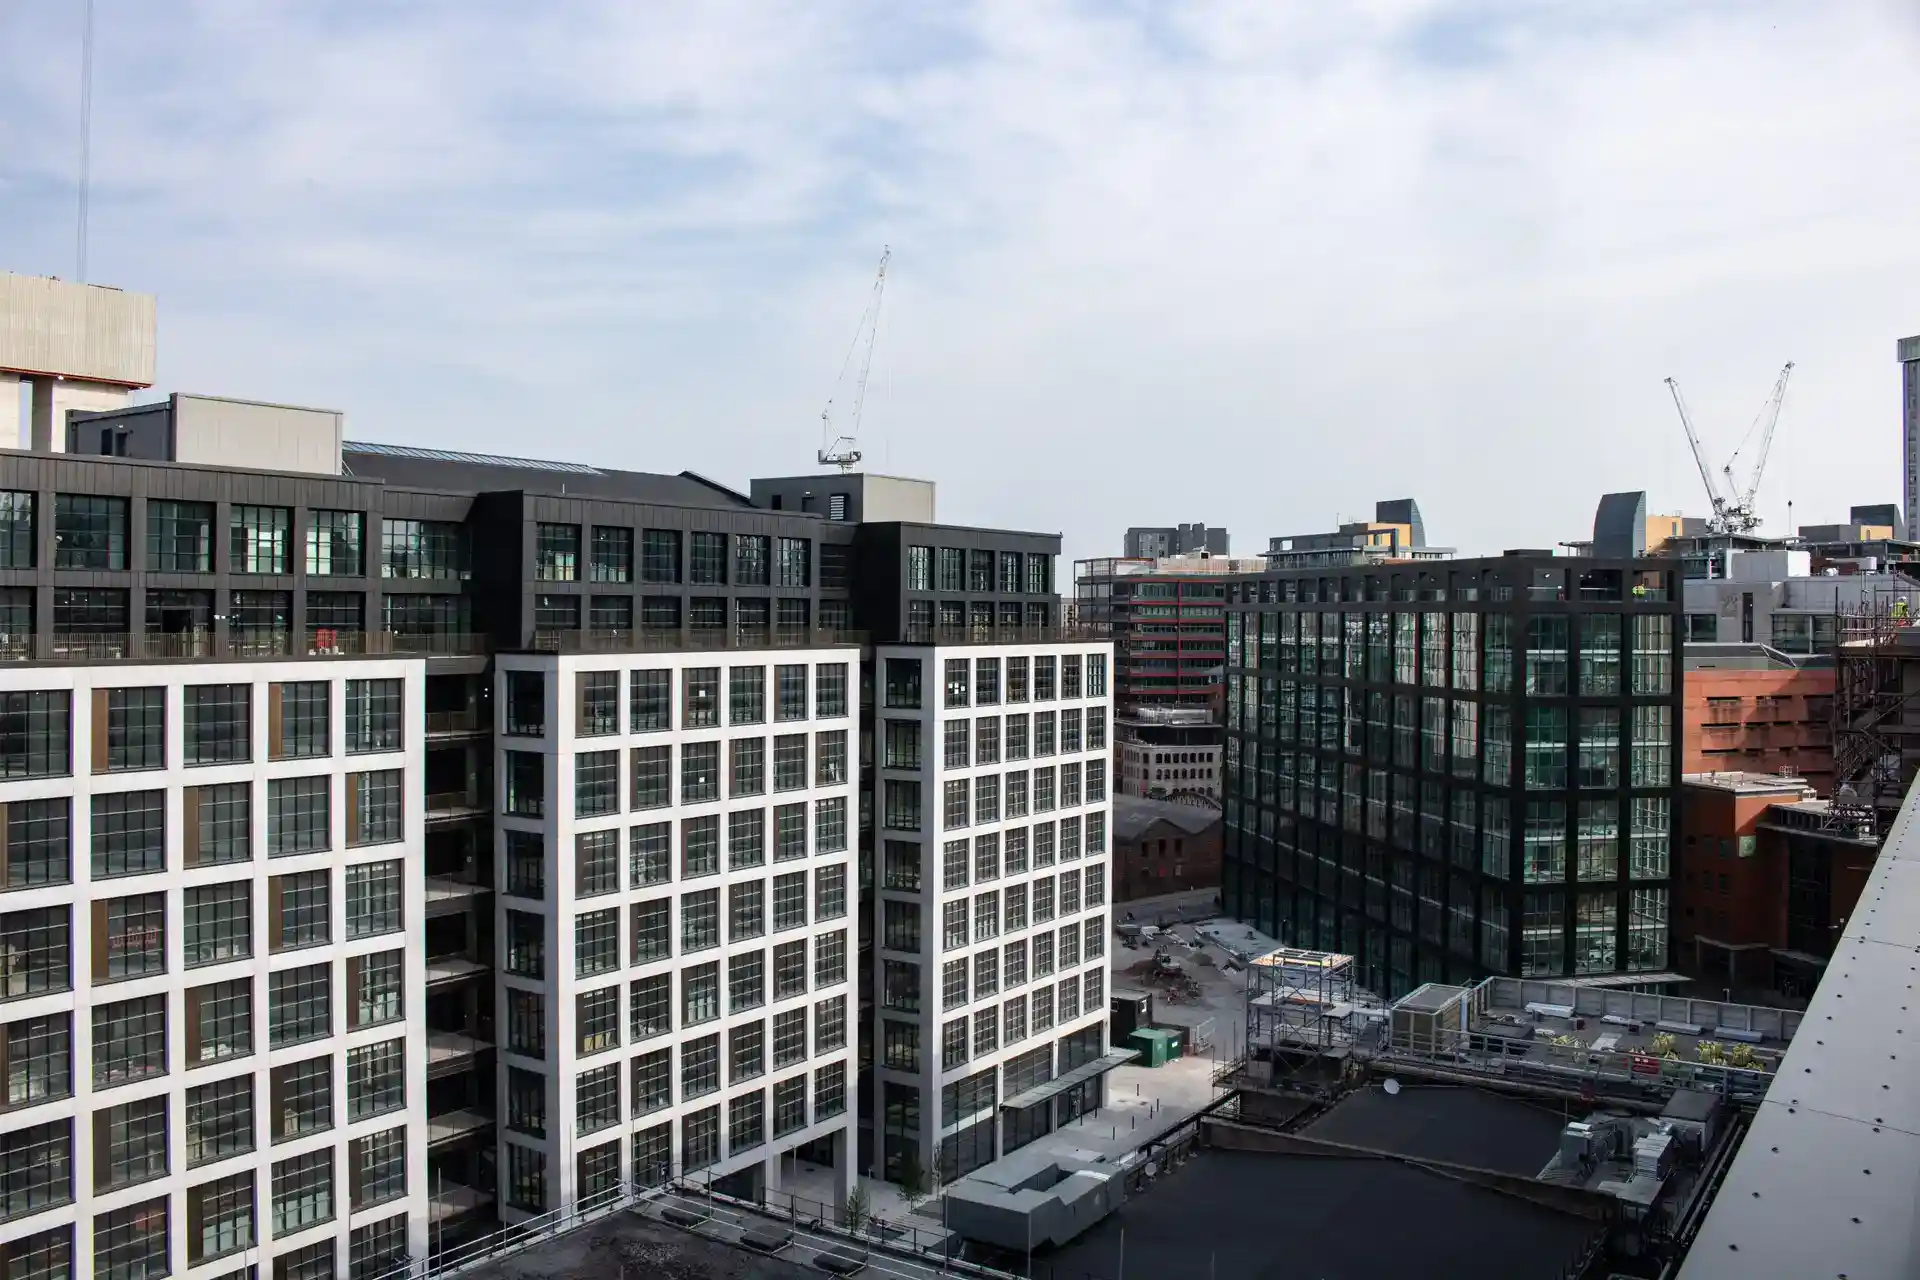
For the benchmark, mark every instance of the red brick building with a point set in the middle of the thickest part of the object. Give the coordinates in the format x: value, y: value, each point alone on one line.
x: 1161, y: 847
x: 1759, y: 720
x: 1766, y: 882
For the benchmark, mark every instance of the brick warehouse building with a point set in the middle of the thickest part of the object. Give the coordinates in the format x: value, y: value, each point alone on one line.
x: 1755, y: 715
x: 1459, y: 769
x: 1163, y: 847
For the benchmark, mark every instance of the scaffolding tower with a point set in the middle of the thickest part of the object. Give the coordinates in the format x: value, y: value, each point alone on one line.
x: 1306, y: 1005
x: 1876, y: 740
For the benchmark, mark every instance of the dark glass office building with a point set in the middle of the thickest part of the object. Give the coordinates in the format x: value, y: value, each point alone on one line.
x: 1460, y: 769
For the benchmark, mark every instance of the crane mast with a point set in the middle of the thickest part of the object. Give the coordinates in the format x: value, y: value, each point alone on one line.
x: 838, y: 450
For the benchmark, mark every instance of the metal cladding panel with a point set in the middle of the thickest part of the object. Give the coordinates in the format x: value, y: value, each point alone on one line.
x: 85, y: 332
x: 1827, y: 1182
x: 240, y: 433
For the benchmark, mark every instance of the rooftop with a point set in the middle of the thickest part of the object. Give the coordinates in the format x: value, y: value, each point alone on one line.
x: 1132, y: 815
x: 1749, y: 784
x: 450, y: 470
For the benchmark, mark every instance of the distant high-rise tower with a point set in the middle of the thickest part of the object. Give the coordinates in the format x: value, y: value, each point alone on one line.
x: 1909, y: 354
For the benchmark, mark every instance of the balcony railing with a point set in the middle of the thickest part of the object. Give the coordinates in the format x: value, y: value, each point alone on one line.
x: 447, y: 805
x: 676, y: 640
x: 442, y: 723
x: 138, y: 646
x: 1065, y: 633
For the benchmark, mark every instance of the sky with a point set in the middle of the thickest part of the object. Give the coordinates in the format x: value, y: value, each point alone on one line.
x: 1257, y: 263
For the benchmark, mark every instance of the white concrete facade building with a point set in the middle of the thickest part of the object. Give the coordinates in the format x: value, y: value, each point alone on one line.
x: 992, y: 820
x: 209, y: 928
x: 675, y: 918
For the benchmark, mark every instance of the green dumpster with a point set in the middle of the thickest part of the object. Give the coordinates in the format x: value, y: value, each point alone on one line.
x: 1157, y: 1045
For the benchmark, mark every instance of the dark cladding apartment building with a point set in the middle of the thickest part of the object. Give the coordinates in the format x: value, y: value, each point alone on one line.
x: 1457, y: 770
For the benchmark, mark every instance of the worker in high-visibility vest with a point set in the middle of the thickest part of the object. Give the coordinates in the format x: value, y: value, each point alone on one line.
x: 1900, y: 609
x: 1639, y: 591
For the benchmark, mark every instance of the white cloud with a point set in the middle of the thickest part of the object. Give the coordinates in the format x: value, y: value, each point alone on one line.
x: 1253, y: 263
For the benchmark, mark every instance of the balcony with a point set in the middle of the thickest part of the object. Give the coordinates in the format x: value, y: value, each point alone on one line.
x: 454, y: 806
x: 675, y: 640
x: 449, y: 894
x: 444, y: 725
x: 453, y: 967
x: 450, y: 1200
x: 452, y: 1126
x: 136, y: 646
x: 450, y: 1052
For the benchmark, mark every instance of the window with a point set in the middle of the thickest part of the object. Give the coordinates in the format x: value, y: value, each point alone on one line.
x: 556, y: 552
x: 526, y: 1023
x: 699, y: 772
x: 596, y: 942
x: 303, y: 1192
x: 378, y: 1248
x: 258, y: 538
x: 373, y: 899
x: 746, y: 695
x: 39, y: 844
x: 1599, y: 757
x: 830, y: 893
x: 707, y: 559
x: 216, y: 923
x: 298, y: 1004
x: 526, y: 944
x: 131, y: 1243
x: 750, y: 560
x: 335, y: 543
x: 700, y: 920
x: 651, y: 1006
x: 377, y: 1167
x: 373, y: 807
x: 374, y: 988
x: 699, y: 847
x: 612, y: 554
x: 297, y: 816
x: 746, y: 839
x: 17, y: 541
x: 219, y: 1119
x: 903, y: 684
x: 830, y: 825
x: 1652, y: 655
x: 526, y: 784
x: 217, y: 722
x: 376, y: 1079
x: 597, y: 1020
x: 309, y: 1262
x: 129, y: 1040
x: 526, y: 699
x: 1017, y: 746
x: 130, y: 1144
x: 956, y: 803
x: 300, y: 1095
x: 746, y: 1052
x: 33, y: 734
x: 830, y: 690
x: 747, y: 1121
x: 650, y: 701
x: 219, y: 1021
x: 129, y: 937
x: 526, y: 1178
x: 38, y: 1060
x: 374, y: 711
x: 652, y: 931
x: 298, y: 911
x: 901, y: 744
x: 1043, y: 681
x: 790, y: 969
x: 89, y: 532
x: 919, y: 568
x: 527, y: 1102
x: 747, y: 774
x: 746, y: 910
x: 596, y: 783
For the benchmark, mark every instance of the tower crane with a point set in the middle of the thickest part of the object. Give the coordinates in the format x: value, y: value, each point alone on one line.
x: 1733, y: 504
x: 838, y: 449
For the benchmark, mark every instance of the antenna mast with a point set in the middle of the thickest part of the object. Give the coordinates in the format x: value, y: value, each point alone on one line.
x: 838, y: 450
x: 86, y: 144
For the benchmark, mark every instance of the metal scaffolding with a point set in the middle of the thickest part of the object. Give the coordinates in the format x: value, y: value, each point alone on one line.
x: 1303, y: 1002
x: 1874, y: 747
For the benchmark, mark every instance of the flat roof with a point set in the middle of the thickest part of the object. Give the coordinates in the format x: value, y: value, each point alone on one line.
x: 1260, y: 1216
x: 1829, y: 1175
x: 1454, y: 1123
x: 1747, y: 783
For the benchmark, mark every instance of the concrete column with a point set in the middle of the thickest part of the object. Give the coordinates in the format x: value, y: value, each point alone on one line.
x: 54, y: 398
x: 843, y: 1174
x: 771, y: 1178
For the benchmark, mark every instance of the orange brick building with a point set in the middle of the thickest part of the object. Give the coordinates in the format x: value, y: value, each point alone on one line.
x: 1766, y: 882
x: 1759, y: 720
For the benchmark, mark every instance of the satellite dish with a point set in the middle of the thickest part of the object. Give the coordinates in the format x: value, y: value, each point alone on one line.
x: 1392, y: 1087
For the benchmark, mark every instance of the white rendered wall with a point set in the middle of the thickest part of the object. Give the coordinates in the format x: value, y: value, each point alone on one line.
x: 559, y: 827
x: 180, y: 1076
